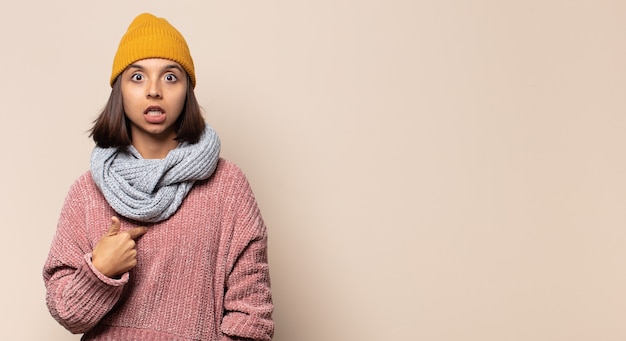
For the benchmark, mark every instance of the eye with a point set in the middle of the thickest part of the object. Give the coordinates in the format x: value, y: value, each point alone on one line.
x: 136, y: 77
x: 170, y: 77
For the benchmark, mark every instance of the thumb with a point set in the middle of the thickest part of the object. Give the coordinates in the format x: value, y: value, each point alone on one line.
x: 115, y: 227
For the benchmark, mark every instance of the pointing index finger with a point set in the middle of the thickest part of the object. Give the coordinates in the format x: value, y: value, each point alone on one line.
x: 137, y: 232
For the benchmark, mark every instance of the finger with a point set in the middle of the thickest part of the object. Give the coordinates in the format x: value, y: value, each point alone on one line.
x: 137, y: 232
x: 115, y: 226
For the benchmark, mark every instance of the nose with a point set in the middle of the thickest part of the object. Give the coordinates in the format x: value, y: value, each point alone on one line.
x: 154, y: 91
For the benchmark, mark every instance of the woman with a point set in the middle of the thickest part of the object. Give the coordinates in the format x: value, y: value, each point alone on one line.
x: 162, y: 239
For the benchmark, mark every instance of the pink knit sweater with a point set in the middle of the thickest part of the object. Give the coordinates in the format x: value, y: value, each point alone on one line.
x: 202, y: 274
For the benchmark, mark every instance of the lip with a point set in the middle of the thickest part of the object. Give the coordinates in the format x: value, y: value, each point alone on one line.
x: 154, y: 108
x: 155, y: 119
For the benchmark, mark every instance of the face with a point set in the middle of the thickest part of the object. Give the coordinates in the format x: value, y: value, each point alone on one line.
x: 153, y: 92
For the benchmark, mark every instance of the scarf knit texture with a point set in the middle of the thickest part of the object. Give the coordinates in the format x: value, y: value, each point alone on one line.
x: 151, y: 190
x: 202, y: 274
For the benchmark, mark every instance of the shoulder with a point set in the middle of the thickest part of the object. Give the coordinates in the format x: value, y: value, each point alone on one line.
x: 85, y: 180
x: 227, y: 170
x: 228, y: 167
x: 83, y: 196
x: 84, y: 186
x: 227, y: 180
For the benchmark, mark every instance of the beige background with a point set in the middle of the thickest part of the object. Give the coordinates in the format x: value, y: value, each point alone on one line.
x: 428, y: 170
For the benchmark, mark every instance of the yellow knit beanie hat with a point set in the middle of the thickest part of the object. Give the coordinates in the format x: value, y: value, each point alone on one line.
x: 152, y: 37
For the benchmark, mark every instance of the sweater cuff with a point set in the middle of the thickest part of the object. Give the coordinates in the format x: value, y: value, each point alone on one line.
x: 107, y: 280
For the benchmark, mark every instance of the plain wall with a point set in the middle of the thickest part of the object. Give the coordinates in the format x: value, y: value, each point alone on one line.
x: 428, y: 170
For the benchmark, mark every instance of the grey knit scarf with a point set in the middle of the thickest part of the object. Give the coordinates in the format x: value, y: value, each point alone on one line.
x: 151, y: 190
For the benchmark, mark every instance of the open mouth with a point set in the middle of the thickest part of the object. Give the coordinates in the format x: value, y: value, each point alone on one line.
x: 154, y: 115
x: 154, y: 111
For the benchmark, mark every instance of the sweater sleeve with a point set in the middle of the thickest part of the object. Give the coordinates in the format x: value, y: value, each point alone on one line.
x: 77, y: 295
x: 248, y: 301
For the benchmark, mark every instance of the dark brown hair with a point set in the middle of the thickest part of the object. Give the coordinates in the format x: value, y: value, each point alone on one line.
x: 112, y: 127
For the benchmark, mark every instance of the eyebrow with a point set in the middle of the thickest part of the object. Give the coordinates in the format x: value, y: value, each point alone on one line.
x: 166, y: 67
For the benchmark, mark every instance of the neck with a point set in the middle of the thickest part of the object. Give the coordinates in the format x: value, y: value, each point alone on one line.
x: 154, y: 147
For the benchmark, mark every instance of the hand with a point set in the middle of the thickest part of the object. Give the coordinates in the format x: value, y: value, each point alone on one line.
x: 115, y: 252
